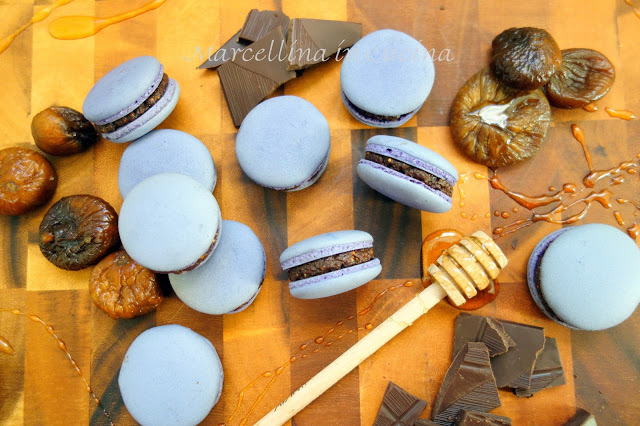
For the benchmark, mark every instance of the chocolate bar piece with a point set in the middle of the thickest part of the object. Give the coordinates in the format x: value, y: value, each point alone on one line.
x: 476, y: 328
x: 547, y: 371
x: 582, y: 418
x: 261, y: 22
x: 477, y: 418
x: 315, y: 40
x: 254, y: 74
x: 514, y: 368
x: 226, y: 52
x: 425, y: 422
x: 468, y: 384
x: 399, y: 407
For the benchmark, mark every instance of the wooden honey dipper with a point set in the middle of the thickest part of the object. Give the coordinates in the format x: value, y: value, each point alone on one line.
x: 460, y: 271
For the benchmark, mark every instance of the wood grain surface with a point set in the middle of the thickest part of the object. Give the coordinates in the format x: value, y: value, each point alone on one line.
x: 39, y: 386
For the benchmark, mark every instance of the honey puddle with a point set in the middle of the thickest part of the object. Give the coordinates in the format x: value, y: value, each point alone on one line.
x: 318, y: 343
x: 40, y: 15
x: 75, y: 27
x: 63, y: 348
x: 572, y: 202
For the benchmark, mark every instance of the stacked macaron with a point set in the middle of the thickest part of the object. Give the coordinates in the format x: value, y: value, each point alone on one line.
x: 132, y: 99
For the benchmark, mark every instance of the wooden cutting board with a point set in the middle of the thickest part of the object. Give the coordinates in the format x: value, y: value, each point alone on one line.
x: 39, y: 386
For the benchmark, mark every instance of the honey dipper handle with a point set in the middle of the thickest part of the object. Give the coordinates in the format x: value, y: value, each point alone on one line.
x: 350, y: 359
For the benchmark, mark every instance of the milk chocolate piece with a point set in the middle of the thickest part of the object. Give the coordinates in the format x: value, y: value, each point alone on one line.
x: 399, y: 407
x: 547, y: 371
x: 260, y: 22
x: 250, y: 78
x: 315, y: 40
x: 514, y: 368
x: 226, y: 52
x: 468, y: 384
x: 477, y: 418
x: 582, y: 418
x: 475, y: 328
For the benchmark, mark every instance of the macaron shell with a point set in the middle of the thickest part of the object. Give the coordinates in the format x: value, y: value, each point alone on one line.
x: 415, y: 150
x: 151, y: 119
x: 320, y: 242
x: 590, y: 276
x: 342, y: 281
x: 120, y: 87
x: 230, y: 278
x: 170, y: 375
x: 283, y: 142
x: 165, y: 151
x: 403, y: 189
x: 387, y: 73
x: 168, y: 221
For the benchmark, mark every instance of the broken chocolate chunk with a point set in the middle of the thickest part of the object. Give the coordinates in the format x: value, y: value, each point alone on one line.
x: 514, y: 368
x: 260, y: 22
x: 226, y: 52
x: 315, y: 40
x: 477, y: 418
x: 547, y: 371
x: 582, y: 418
x: 425, y: 422
x: 399, y: 407
x: 475, y: 328
x: 254, y: 74
x: 468, y: 384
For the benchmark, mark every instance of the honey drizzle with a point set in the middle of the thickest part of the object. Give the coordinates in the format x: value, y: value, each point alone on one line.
x: 76, y: 27
x: 636, y: 10
x: 40, y: 15
x: 590, y: 108
x: 623, y: 114
x: 320, y: 340
x: 5, y: 346
x: 63, y: 348
x: 578, y: 134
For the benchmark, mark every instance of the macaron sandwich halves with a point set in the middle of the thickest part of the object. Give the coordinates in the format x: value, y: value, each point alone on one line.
x: 408, y: 173
x: 330, y: 264
x: 131, y: 99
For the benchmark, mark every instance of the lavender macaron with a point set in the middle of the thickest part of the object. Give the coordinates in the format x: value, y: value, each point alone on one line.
x: 165, y: 151
x: 131, y: 99
x: 330, y: 264
x: 586, y: 277
x: 283, y: 144
x: 408, y: 173
x: 170, y: 223
x: 170, y: 375
x: 385, y: 78
x: 229, y: 281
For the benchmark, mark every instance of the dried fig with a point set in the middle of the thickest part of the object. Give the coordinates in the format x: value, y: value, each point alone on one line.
x: 496, y: 125
x: 27, y: 180
x: 525, y: 58
x: 585, y: 76
x: 123, y: 288
x: 62, y: 131
x: 78, y: 231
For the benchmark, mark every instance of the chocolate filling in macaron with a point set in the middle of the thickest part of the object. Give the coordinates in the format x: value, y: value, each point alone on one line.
x: 331, y: 263
x: 427, y: 178
x: 368, y: 116
x: 202, y: 258
x: 157, y: 94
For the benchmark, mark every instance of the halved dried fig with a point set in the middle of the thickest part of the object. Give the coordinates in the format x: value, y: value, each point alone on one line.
x: 585, y: 76
x: 78, y: 231
x: 27, y: 180
x: 123, y: 288
x: 525, y: 58
x: 496, y: 125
